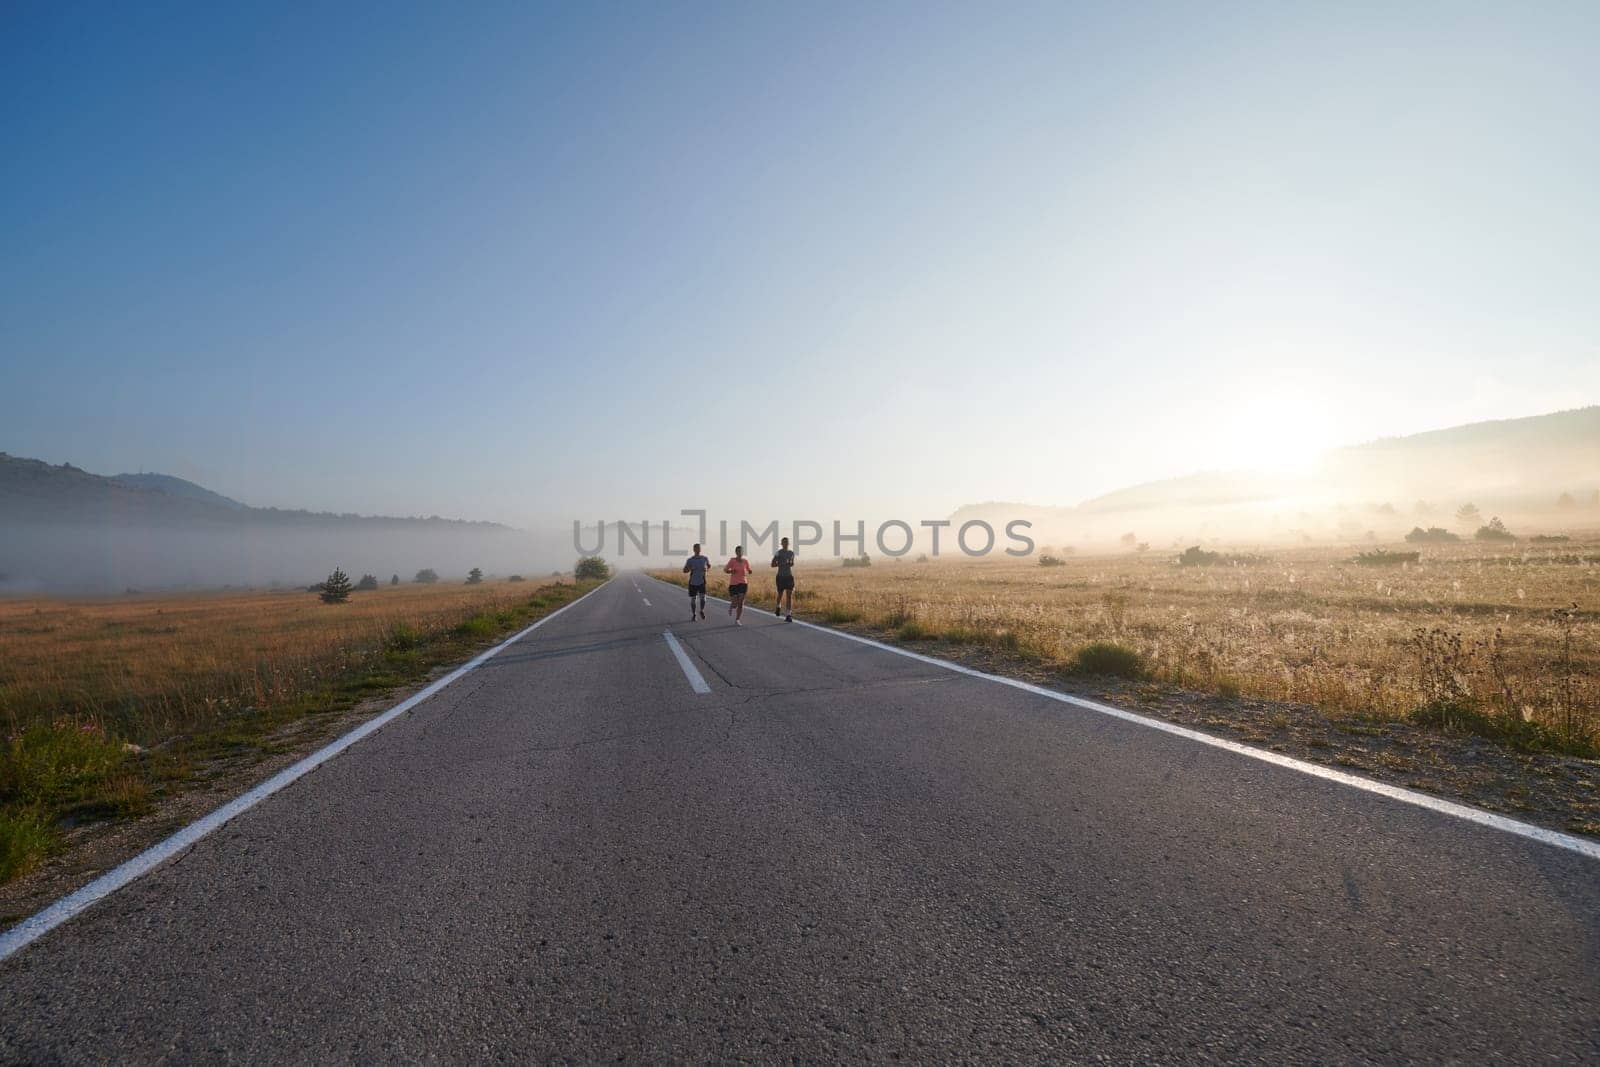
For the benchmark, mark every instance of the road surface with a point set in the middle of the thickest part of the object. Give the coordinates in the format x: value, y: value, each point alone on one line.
x: 834, y: 852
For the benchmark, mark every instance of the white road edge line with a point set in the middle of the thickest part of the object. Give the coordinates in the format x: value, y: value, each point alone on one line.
x: 697, y: 681
x: 36, y: 926
x: 1555, y: 838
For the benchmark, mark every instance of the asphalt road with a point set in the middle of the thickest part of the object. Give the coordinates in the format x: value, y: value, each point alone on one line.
x: 835, y: 853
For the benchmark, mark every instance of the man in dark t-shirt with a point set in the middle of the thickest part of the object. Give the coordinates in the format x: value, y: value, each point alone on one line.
x: 695, y: 567
x: 784, y: 561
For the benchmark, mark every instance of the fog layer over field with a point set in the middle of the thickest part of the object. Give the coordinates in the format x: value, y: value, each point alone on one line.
x: 82, y: 558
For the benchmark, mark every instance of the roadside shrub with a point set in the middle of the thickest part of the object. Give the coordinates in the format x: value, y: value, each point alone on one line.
x: 838, y: 613
x: 900, y: 614
x: 1455, y: 716
x: 1107, y: 658
x: 1432, y: 535
x: 1384, y: 558
x: 56, y: 761
x: 336, y: 590
x: 592, y: 567
x: 912, y: 630
x: 26, y: 837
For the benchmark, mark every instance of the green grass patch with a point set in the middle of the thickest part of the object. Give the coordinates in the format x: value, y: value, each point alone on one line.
x: 26, y: 837
x: 1465, y: 717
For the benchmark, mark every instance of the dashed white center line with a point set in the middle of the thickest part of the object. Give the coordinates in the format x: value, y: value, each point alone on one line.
x: 697, y: 681
x: 646, y: 601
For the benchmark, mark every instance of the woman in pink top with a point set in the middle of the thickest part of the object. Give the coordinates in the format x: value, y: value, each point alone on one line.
x: 738, y: 571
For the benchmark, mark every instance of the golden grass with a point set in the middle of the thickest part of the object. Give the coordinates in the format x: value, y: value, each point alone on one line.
x: 87, y: 686
x: 1308, y: 626
x: 147, y: 666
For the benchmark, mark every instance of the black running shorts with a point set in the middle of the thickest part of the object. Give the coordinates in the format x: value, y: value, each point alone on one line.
x: 698, y: 590
x: 739, y: 590
x: 785, y: 581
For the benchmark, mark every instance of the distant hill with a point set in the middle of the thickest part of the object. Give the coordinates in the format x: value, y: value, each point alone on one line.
x: 1509, y: 459
x: 166, y: 483
x: 32, y: 491
x: 1515, y: 466
x: 63, y: 529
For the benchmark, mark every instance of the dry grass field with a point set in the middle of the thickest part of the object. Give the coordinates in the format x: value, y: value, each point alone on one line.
x: 107, y: 704
x: 1499, y: 641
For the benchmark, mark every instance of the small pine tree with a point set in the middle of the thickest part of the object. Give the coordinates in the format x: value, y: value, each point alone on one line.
x: 367, y: 583
x: 475, y: 576
x: 1468, y: 514
x: 336, y: 590
x: 394, y: 579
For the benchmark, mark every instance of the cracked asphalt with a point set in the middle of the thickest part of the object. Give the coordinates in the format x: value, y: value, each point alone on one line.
x: 838, y: 853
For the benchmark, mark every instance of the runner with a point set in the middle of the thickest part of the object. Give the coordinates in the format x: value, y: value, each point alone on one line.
x: 784, y: 561
x: 695, y: 567
x: 738, y: 570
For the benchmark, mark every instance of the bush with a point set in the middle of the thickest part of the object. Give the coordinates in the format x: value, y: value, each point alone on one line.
x: 394, y: 579
x: 426, y: 576
x: 1052, y: 561
x: 368, y: 582
x: 592, y: 567
x: 336, y: 590
x: 475, y: 576
x: 1549, y: 539
x: 1495, y: 531
x: 1109, y: 659
x: 516, y: 578
x: 1384, y: 558
x: 1432, y: 535
x: 862, y: 560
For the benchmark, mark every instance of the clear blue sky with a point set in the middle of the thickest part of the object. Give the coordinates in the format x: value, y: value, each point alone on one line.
x: 510, y: 262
